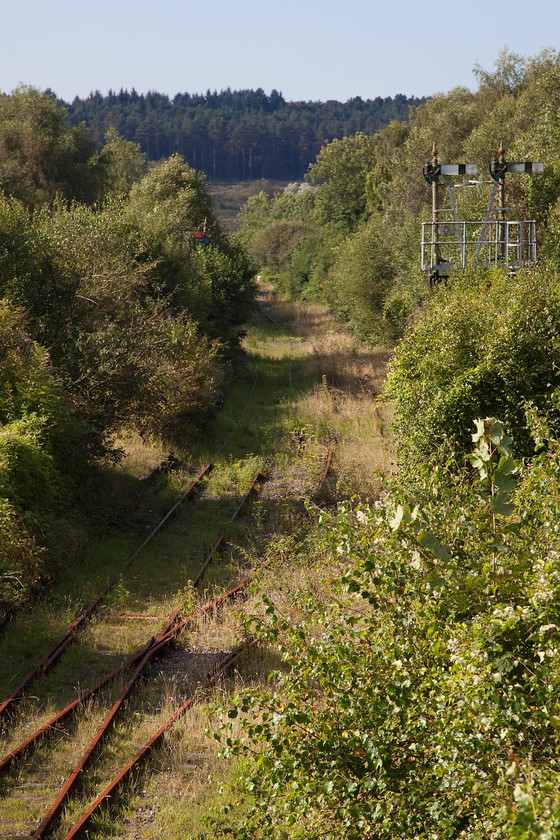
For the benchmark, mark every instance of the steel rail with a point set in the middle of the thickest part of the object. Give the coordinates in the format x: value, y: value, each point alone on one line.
x: 327, y: 467
x: 198, y: 577
x: 79, y: 827
x: 58, y: 648
x: 153, y: 646
x: 52, y: 815
x: 108, y: 792
x: 49, y: 727
x: 165, y: 636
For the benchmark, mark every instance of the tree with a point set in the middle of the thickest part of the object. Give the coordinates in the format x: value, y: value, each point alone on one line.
x: 123, y: 163
x: 214, y: 283
x: 341, y: 172
x: 273, y: 247
x: 39, y: 156
x: 359, y: 280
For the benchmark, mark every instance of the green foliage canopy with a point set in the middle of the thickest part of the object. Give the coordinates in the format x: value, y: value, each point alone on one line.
x: 485, y: 344
x: 420, y: 698
x: 40, y: 156
x: 341, y: 171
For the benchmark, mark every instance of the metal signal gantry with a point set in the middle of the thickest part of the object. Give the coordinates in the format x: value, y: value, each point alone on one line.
x: 487, y: 242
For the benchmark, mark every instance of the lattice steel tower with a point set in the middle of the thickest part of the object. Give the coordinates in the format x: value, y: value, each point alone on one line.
x: 449, y: 243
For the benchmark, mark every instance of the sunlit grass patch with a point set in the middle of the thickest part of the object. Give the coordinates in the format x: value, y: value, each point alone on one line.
x: 138, y: 454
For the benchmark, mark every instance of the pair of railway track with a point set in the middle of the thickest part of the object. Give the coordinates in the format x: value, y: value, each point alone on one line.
x: 137, y: 665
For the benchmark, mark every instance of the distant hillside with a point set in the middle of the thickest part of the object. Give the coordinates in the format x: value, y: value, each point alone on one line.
x: 235, y: 135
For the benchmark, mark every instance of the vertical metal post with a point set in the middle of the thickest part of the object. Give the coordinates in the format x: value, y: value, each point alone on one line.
x: 498, y: 169
x: 502, y: 204
x: 434, y: 273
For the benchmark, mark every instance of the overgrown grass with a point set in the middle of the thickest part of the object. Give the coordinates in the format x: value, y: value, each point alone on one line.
x: 305, y: 384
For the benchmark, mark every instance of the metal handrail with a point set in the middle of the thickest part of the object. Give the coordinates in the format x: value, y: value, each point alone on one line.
x: 510, y: 243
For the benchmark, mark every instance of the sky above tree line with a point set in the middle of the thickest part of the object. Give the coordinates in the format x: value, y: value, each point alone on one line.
x: 306, y: 49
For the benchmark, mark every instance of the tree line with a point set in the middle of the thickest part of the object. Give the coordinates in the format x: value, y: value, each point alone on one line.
x: 234, y: 135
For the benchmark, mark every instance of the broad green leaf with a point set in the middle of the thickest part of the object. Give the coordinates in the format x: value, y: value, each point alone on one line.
x: 395, y: 521
x: 501, y: 504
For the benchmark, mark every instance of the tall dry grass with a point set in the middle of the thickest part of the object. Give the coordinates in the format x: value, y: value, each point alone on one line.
x: 349, y: 404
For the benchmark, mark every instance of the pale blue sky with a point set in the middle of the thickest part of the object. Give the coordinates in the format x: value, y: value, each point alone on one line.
x: 304, y: 48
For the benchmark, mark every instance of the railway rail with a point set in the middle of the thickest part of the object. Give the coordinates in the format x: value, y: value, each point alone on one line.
x: 169, y: 632
x: 54, y: 653
x: 165, y: 635
x: 105, y: 796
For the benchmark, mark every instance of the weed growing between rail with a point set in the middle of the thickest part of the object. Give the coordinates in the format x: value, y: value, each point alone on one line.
x: 278, y: 419
x: 298, y: 569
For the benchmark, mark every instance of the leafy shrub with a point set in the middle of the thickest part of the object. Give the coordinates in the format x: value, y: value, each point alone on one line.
x: 421, y: 698
x: 482, y: 345
x: 28, y: 386
x: 125, y: 350
x: 226, y: 278
x: 179, y: 378
x: 28, y: 477
x: 38, y: 442
x: 273, y: 247
x: 359, y: 280
x: 20, y: 556
x: 213, y: 283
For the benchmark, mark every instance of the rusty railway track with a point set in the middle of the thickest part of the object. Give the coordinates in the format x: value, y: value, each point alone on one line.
x: 106, y: 795
x: 55, y: 652
x: 167, y: 633
x: 156, y: 644
x: 145, y: 655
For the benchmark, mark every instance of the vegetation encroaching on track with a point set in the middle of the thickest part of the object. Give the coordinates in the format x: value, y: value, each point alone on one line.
x: 286, y: 403
x: 110, y: 319
x: 404, y: 680
x: 417, y: 692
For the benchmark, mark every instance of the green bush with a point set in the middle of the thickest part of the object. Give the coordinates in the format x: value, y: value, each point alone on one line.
x: 20, y: 556
x: 359, y: 281
x: 28, y: 477
x: 419, y: 698
x: 40, y: 447
x: 28, y: 386
x: 482, y: 345
x: 273, y: 247
x: 98, y: 297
